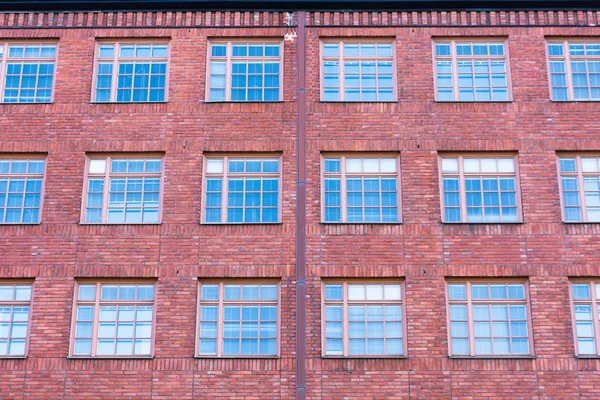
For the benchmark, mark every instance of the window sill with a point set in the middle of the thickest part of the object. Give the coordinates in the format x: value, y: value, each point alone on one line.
x: 240, y: 223
x: 507, y: 357
x: 26, y: 103
x: 361, y: 357
x: 358, y: 102
x: 20, y: 223
x: 588, y: 357
x: 110, y: 357
x: 575, y: 101
x: 361, y: 223
x: 483, y: 223
x: 236, y: 357
x: 119, y: 223
x: 242, y: 101
x: 473, y: 101
x: 580, y: 222
x: 128, y: 102
x: 13, y: 357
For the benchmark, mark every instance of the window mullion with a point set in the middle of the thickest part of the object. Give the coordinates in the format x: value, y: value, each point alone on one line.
x: 106, y: 191
x: 220, y: 320
x: 3, y: 68
x: 595, y: 318
x: 581, y: 191
x: 510, y: 342
x: 569, y: 72
x: 462, y: 190
x: 96, y: 322
x: 343, y: 190
x: 341, y: 72
x: 115, y: 73
x: 454, y: 71
x: 21, y: 63
x: 225, y: 190
x: 345, y: 324
x: 470, y: 324
x: 380, y: 200
x: 228, y: 71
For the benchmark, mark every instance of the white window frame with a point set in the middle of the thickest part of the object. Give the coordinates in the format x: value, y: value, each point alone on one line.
x: 229, y: 58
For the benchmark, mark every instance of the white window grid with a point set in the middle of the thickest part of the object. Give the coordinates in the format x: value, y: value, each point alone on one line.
x: 254, y: 332
x: 228, y: 81
x: 363, y: 319
x: 21, y: 190
x: 580, y: 187
x: 495, y: 322
x: 456, y: 169
x: 123, y: 189
x: 217, y: 200
x: 27, y: 73
x: 585, y: 297
x: 131, y: 72
x: 358, y: 71
x: 113, y: 319
x: 472, y: 71
x: 15, y: 304
x: 574, y: 70
x: 382, y: 170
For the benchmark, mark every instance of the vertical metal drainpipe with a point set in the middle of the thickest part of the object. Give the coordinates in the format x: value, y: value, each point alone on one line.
x: 301, y: 212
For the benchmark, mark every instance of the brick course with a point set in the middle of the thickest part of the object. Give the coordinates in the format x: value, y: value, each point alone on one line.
x: 180, y: 250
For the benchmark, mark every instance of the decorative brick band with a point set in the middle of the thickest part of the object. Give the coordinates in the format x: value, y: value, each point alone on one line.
x: 244, y: 19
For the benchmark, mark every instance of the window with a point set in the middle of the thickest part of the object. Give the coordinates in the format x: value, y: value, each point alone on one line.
x: 363, y: 319
x: 580, y: 186
x: 574, y: 70
x: 15, y: 300
x: 29, y: 72
x: 360, y: 189
x: 21, y: 183
x: 586, y: 312
x: 113, y: 319
x: 238, y: 319
x: 130, y: 72
x: 242, y: 189
x: 245, y: 71
x: 122, y: 190
x: 472, y: 71
x: 480, y: 189
x: 488, y: 319
x: 357, y: 71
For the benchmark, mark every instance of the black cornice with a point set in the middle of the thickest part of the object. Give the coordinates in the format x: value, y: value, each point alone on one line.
x: 308, y: 5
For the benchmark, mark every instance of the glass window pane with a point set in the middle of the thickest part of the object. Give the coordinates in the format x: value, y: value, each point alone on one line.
x: 457, y: 292
x: 356, y: 292
x: 449, y: 165
x: 87, y: 292
x: 353, y: 165
x: 479, y: 291
x: 333, y: 292
x: 374, y: 292
x: 581, y: 292
x: 589, y: 164
x: 460, y: 346
x: 392, y: 292
x: 471, y: 165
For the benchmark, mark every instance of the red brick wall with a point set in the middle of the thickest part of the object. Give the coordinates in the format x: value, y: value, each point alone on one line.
x: 421, y: 250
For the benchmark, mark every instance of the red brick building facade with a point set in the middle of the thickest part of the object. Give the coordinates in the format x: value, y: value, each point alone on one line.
x: 422, y: 251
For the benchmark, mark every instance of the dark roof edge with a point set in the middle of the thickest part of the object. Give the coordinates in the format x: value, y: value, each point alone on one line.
x: 308, y: 5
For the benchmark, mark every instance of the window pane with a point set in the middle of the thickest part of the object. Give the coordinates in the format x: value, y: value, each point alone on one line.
x: 581, y: 292
x: 356, y: 292
x: 457, y: 292
x: 460, y: 346
x: 333, y: 292
x: 449, y: 165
